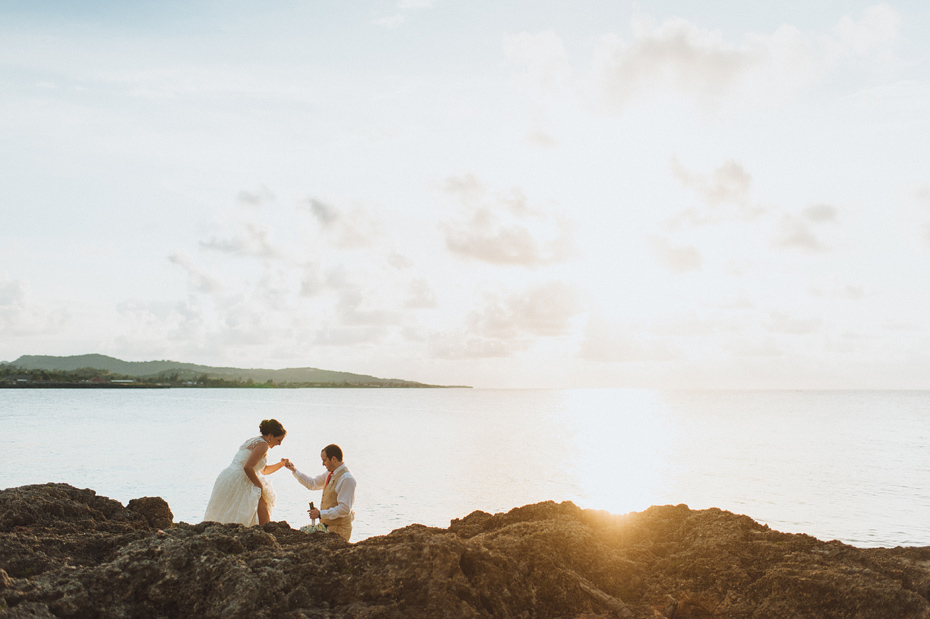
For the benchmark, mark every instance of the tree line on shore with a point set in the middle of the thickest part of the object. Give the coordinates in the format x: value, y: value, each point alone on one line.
x: 14, y: 376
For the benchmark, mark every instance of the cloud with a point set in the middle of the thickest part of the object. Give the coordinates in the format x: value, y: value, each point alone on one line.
x: 420, y: 295
x: 399, y: 261
x: 465, y: 346
x: 676, y: 259
x: 311, y: 283
x: 287, y: 264
x: 20, y: 315
x: 325, y: 214
x: 922, y: 194
x: 199, y: 279
x: 354, y: 227
x: 853, y: 292
x: 253, y: 239
x: 504, y: 325
x: 793, y: 233
x: 676, y: 55
x: 820, y: 213
x: 484, y: 241
x: 154, y: 327
x: 609, y: 343
x: 502, y: 230
x: 724, y: 195
x: 255, y: 198
x: 780, y: 322
x: 544, y: 311
x: 681, y: 57
x: 466, y: 188
x: 728, y: 183
x: 877, y: 25
x: 540, y: 60
x: 540, y: 139
x: 354, y: 309
x: 404, y: 8
x: 391, y: 21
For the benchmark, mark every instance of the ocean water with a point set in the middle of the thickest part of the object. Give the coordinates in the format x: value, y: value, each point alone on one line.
x: 847, y: 465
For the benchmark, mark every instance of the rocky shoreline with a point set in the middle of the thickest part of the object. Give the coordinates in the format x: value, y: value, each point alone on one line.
x: 66, y: 552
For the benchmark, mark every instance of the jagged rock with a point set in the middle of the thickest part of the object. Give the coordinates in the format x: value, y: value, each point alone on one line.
x: 94, y: 558
x: 154, y: 510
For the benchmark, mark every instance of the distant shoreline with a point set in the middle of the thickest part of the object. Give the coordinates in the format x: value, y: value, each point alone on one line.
x: 85, y: 386
x: 257, y: 386
x: 76, y: 371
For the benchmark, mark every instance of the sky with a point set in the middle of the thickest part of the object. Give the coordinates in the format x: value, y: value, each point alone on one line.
x: 525, y: 194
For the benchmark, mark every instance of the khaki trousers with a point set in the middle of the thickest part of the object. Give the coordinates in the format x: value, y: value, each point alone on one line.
x: 342, y: 530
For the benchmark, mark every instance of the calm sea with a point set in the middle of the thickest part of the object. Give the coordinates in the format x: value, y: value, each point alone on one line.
x: 847, y: 465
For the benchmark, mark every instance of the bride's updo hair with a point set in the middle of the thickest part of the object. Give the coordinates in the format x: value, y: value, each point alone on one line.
x: 272, y: 427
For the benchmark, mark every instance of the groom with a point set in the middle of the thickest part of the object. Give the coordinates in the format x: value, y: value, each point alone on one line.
x: 338, y: 492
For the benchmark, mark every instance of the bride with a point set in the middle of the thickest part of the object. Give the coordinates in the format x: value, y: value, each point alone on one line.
x: 241, y: 492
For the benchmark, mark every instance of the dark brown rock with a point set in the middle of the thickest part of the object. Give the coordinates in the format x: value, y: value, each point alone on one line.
x: 94, y: 558
x: 154, y: 510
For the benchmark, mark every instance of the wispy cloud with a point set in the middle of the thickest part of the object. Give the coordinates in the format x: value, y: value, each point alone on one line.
x: 20, y: 315
x: 794, y: 232
x: 420, y: 295
x: 875, y: 26
x: 724, y: 195
x: 820, y: 213
x: 541, y: 139
x: 780, y: 322
x: 501, y: 229
x: 676, y: 259
x: 255, y: 198
x: 200, y: 280
x: 404, y: 9
x: 251, y: 239
x: 266, y: 266
x: 505, y: 324
x: 351, y: 227
x: 728, y: 183
x: 680, y: 56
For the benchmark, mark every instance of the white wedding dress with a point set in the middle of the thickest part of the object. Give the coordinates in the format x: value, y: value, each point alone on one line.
x: 235, y: 497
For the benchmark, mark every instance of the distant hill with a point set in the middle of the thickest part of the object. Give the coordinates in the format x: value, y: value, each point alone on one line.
x: 154, y: 369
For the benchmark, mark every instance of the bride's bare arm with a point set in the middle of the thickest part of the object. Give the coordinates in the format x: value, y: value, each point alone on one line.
x: 271, y: 468
x: 249, y: 467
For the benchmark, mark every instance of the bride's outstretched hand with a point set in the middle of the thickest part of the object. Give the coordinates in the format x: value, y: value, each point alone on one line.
x: 288, y: 464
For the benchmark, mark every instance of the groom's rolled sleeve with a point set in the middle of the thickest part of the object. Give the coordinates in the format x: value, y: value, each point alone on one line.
x: 345, y: 495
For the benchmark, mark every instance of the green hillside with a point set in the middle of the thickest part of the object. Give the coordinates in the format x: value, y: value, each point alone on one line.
x: 154, y: 370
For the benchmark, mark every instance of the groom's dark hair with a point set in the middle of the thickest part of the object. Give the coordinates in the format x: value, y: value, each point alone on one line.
x: 333, y: 451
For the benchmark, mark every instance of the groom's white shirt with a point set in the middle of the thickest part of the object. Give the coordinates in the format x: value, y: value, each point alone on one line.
x: 345, y: 491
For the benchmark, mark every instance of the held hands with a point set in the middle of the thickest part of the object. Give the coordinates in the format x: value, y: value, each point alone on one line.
x: 288, y: 464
